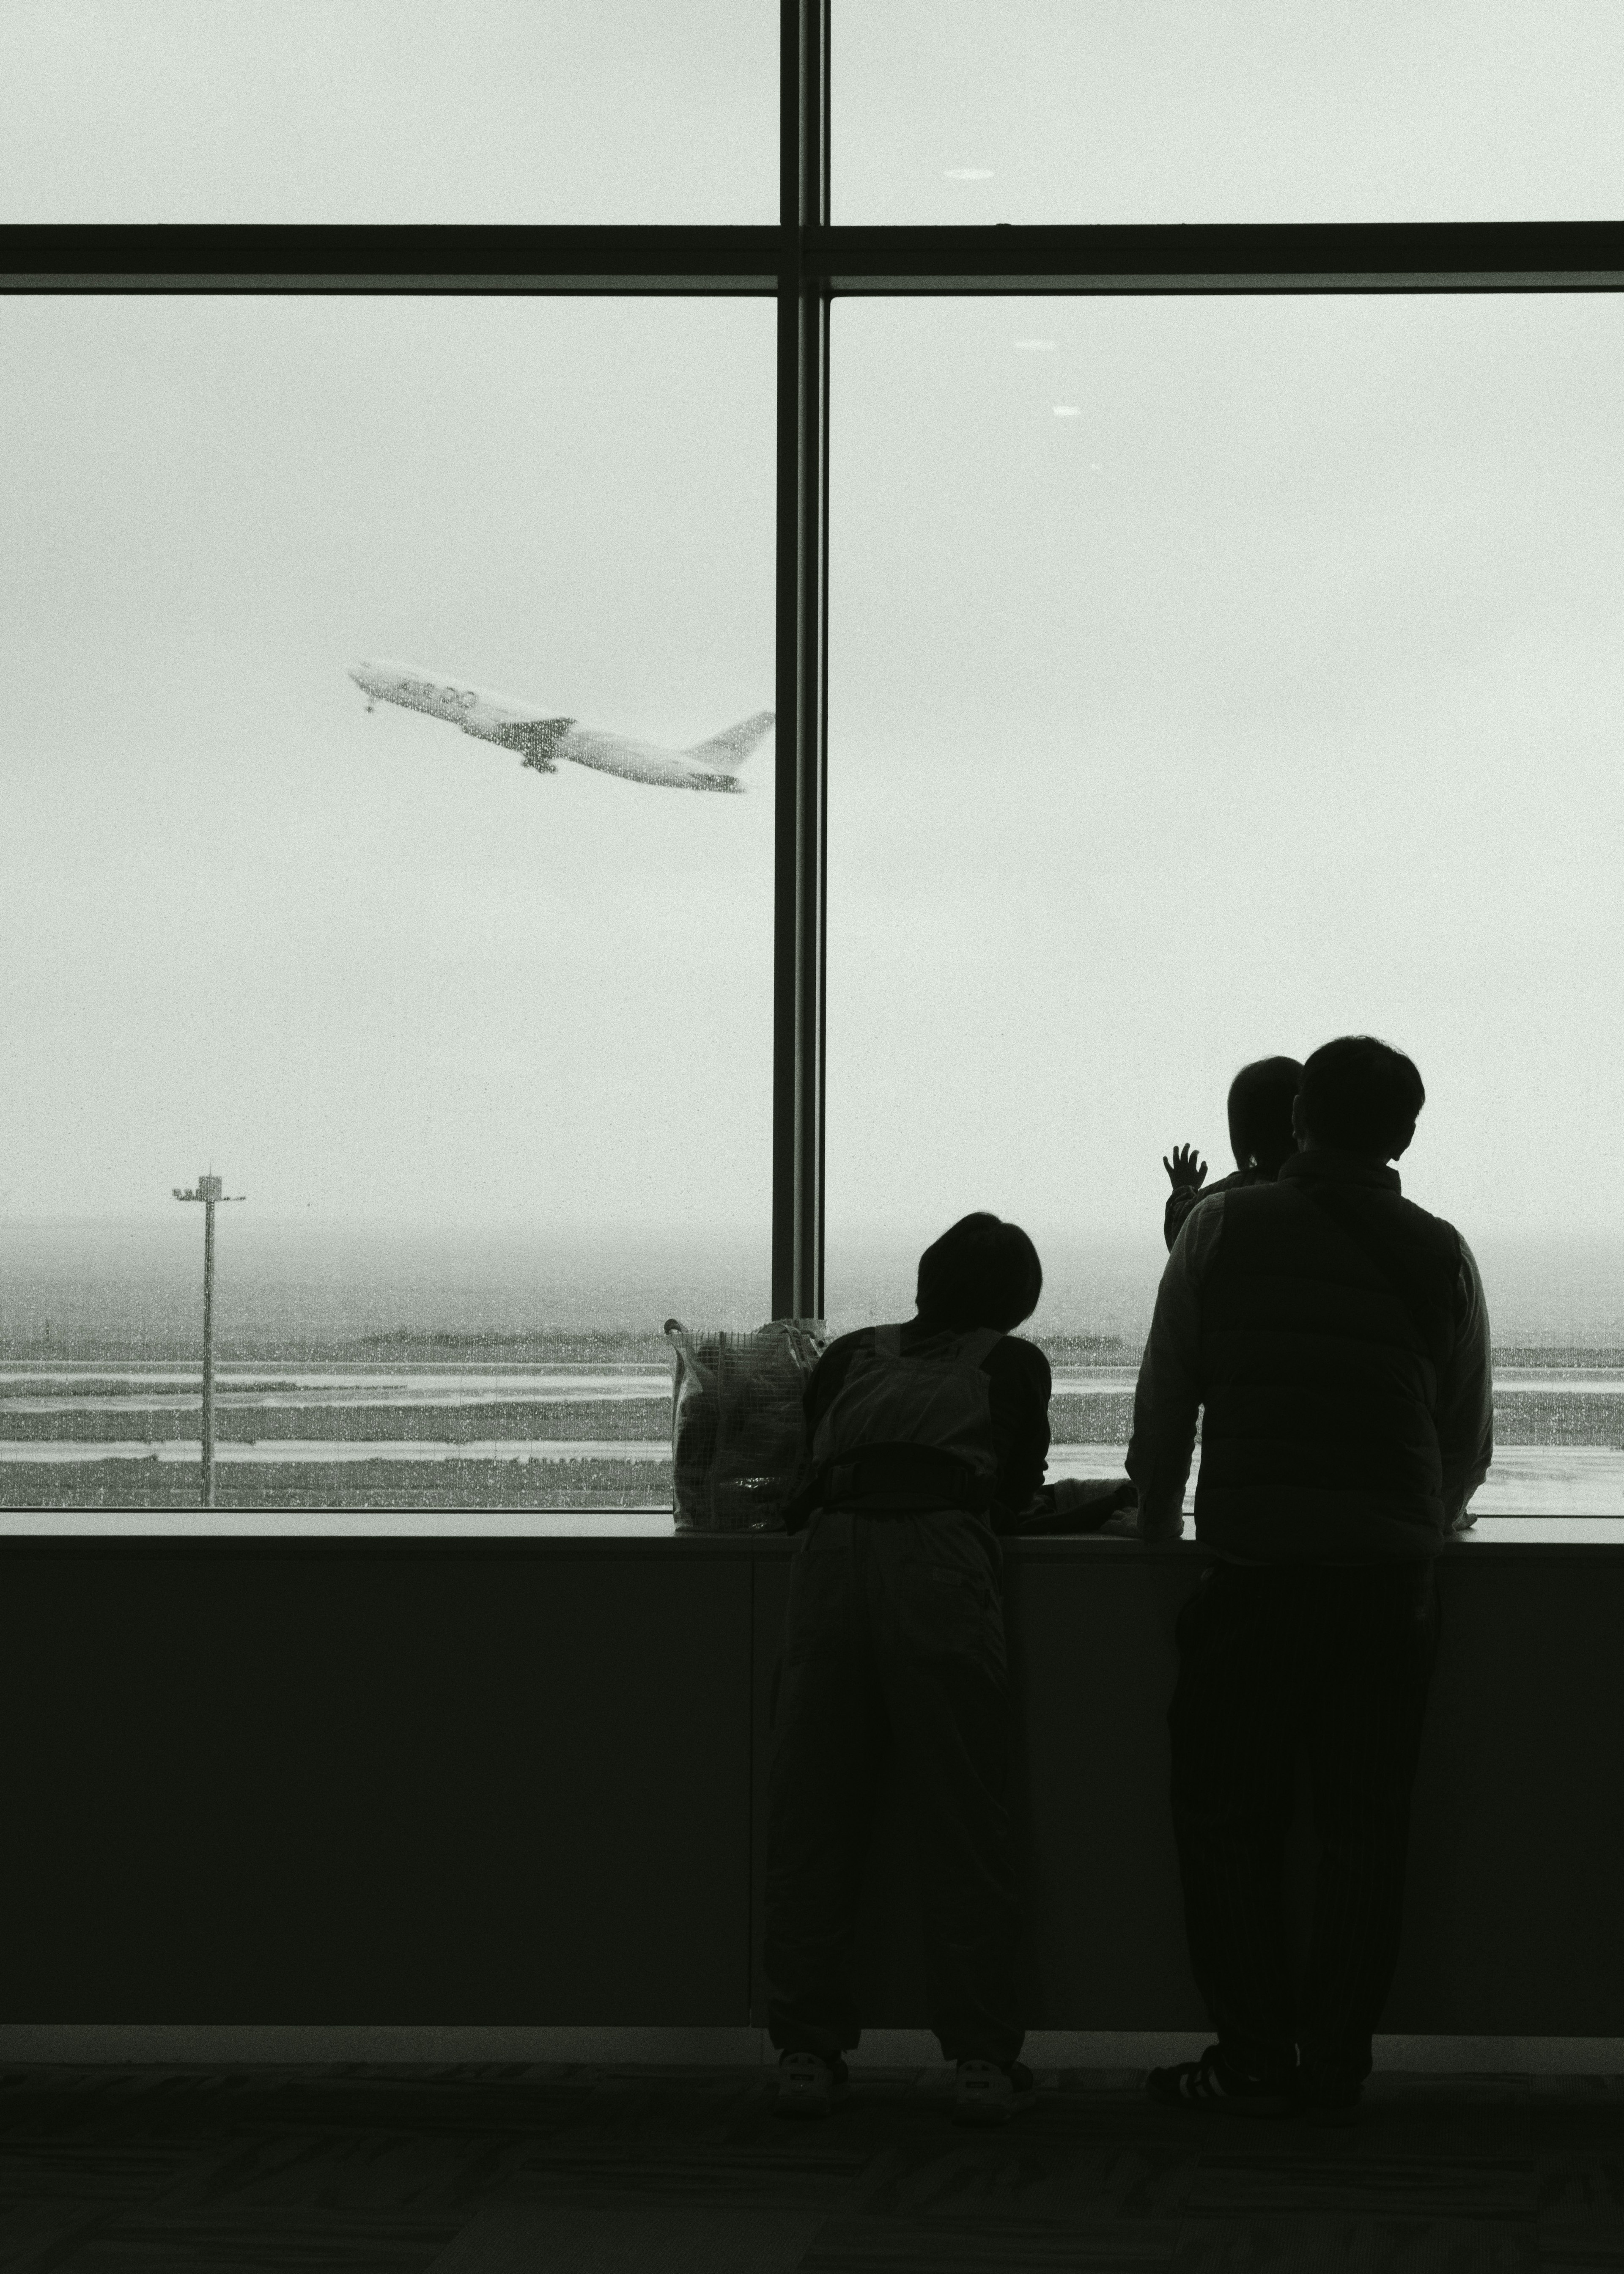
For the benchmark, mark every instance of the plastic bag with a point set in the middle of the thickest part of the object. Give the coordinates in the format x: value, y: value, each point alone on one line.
x: 738, y: 1431
x: 1077, y: 1504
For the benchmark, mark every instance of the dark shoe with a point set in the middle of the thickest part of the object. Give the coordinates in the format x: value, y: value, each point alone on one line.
x: 1210, y: 2082
x: 810, y: 2086
x: 988, y: 2094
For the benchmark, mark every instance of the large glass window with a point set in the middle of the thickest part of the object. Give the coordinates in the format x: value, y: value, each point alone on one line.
x: 1208, y: 678
x: 388, y: 110
x: 1209, y: 675
x: 1227, y: 110
x: 474, y: 1004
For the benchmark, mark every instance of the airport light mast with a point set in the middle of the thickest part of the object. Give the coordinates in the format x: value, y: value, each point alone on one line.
x: 208, y: 1192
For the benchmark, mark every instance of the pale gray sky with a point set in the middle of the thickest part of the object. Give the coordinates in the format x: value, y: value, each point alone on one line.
x: 624, y: 110
x: 1274, y: 693
x: 1211, y: 679
x: 368, y: 963
x: 1227, y: 110
x: 388, y: 110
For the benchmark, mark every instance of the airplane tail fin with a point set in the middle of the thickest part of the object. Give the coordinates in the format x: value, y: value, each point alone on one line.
x: 727, y: 752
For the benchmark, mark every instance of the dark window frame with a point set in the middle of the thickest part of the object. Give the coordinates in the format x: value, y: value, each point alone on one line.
x: 804, y: 263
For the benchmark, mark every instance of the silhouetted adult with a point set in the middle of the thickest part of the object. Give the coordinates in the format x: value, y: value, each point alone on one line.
x: 1337, y: 1337
x: 928, y: 1439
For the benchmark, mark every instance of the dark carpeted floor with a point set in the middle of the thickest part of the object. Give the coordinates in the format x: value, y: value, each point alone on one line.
x: 489, y: 2170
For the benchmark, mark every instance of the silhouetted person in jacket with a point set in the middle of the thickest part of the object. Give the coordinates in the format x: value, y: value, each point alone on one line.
x: 1337, y: 1337
x: 927, y: 1440
x: 1261, y: 1138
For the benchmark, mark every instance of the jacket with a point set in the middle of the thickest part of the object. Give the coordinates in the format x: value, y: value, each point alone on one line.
x: 915, y: 1416
x: 1337, y: 1337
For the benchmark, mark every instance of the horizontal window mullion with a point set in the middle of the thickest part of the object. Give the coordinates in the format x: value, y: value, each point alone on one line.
x: 385, y: 258
x: 1104, y: 282
x: 1467, y: 256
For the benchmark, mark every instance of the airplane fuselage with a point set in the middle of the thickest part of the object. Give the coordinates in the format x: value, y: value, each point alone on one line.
x: 541, y: 742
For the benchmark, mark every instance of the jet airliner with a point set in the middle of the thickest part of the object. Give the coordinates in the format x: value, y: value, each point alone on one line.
x: 541, y: 743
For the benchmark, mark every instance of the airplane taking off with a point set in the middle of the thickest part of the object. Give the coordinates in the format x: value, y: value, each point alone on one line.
x: 541, y: 743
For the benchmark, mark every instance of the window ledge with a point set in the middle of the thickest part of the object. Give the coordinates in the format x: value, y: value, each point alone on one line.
x: 649, y: 1530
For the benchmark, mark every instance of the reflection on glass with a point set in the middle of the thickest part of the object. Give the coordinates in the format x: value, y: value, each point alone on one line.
x: 1208, y: 679
x: 1227, y: 110
x: 472, y: 995
x: 388, y: 110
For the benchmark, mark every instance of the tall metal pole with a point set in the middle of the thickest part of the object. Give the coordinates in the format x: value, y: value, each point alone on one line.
x: 802, y: 681
x: 208, y: 1351
x: 208, y: 1190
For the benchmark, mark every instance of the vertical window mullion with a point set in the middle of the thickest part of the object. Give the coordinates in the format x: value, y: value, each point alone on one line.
x: 802, y: 668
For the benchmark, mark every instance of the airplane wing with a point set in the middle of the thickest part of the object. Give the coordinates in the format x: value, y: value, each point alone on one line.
x: 536, y: 740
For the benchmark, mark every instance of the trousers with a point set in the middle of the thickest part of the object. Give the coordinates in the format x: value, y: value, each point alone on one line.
x: 1338, y: 1659
x: 894, y: 1637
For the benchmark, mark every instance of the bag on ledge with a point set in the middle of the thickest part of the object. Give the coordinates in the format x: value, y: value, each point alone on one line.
x: 1077, y: 1504
x: 738, y: 1432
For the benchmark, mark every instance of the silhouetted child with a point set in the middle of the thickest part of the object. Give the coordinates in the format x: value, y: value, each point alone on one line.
x: 1261, y: 1138
x: 927, y: 1441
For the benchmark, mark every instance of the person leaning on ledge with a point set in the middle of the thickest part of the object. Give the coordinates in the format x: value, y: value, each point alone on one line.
x: 1337, y: 1337
x: 928, y: 1438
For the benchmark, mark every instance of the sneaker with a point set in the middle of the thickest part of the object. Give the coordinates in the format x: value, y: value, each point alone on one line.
x: 988, y: 2094
x: 1210, y: 2082
x: 810, y: 2086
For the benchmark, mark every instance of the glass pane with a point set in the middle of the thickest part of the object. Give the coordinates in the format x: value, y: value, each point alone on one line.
x: 388, y: 110
x: 1227, y: 110
x: 480, y: 1022
x: 1209, y: 678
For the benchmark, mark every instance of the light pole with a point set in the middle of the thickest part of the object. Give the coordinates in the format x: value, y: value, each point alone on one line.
x: 208, y: 1192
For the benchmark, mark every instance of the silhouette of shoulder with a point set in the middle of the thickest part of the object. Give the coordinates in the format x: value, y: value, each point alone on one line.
x: 1184, y: 1199
x: 1374, y: 1197
x: 1018, y: 1374
x: 1346, y: 1221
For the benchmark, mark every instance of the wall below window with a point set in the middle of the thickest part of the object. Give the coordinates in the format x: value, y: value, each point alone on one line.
x: 484, y: 1782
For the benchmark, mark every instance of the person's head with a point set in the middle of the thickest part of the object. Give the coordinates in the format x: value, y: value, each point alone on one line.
x: 981, y: 1273
x: 1260, y: 1132
x: 1358, y: 1096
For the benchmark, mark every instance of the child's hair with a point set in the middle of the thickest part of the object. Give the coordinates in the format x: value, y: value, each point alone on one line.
x: 1362, y: 1095
x: 981, y: 1273
x: 1260, y: 1099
